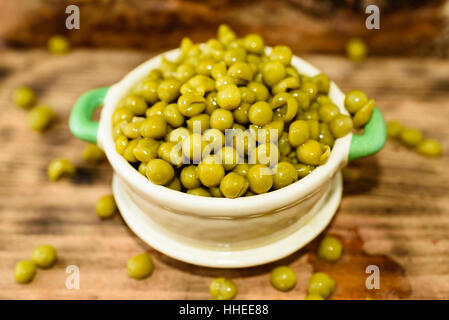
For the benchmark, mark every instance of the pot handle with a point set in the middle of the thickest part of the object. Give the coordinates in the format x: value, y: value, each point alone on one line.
x: 81, y: 124
x: 371, y: 140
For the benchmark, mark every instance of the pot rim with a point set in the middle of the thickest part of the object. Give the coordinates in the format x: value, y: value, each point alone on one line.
x: 216, y: 207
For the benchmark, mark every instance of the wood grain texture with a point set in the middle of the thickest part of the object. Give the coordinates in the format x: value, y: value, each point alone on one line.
x: 395, y: 216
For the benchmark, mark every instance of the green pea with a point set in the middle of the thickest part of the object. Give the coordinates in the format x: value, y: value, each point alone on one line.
x: 106, y: 207
x: 394, y: 129
x: 189, y: 177
x: 260, y: 91
x: 132, y: 129
x: 199, y: 123
x: 254, y: 43
x: 204, y: 66
x: 228, y: 97
x: 24, y: 97
x: 328, y: 112
x: 326, y: 137
x: 363, y: 115
x: 287, y: 84
x: 24, y: 271
x: 260, y: 113
x: 303, y: 169
x: 160, y: 171
x: 140, y: 266
x: 302, y: 98
x: 210, y: 172
x: 341, y: 125
x: 314, y: 297
x: 223, y: 289
x: 156, y: 109
x: 266, y: 154
x: 193, y: 147
x: 58, y: 45
x: 191, y: 104
x: 356, y: 50
x: 178, y: 134
x: 330, y: 249
x: 148, y: 90
x: 128, y: 152
x: 200, y: 192
x: 310, y: 88
x: 321, y: 284
x: 121, y: 114
x: 221, y: 119
x: 241, y: 169
x: 284, y: 145
x: 260, y: 179
x: 225, y: 34
x: 350, y: 174
x: 172, y: 153
x: 233, y: 55
x: 298, y: 133
x: 146, y: 149
x: 211, y: 103
x: 233, y: 185
x: 309, y: 152
x: 228, y: 157
x: 59, y: 168
x: 283, y: 278
x: 136, y: 104
x: 173, y: 116
x: 355, y: 100
x: 314, y: 129
x: 218, y: 70
x: 284, y: 174
x: 322, y: 82
x: 44, y: 256
x: 93, y: 154
x: 168, y: 90
x: 121, y: 142
x: 286, y: 106
x: 241, y: 72
x: 273, y: 72
x: 142, y: 168
x: 154, y: 127
x: 282, y: 54
x: 184, y: 72
x: 175, y: 184
x: 40, y: 118
x: 429, y: 148
x: 411, y: 137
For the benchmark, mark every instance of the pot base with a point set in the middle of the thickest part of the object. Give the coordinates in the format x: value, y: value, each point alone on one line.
x: 151, y: 234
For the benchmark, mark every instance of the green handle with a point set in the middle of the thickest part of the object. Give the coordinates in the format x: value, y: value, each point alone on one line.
x: 81, y: 123
x: 371, y: 140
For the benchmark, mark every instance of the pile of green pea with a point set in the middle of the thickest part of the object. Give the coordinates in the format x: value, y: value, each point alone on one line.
x: 231, y: 83
x: 414, y: 139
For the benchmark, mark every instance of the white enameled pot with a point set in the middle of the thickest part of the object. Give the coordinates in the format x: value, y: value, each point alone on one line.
x: 220, y: 232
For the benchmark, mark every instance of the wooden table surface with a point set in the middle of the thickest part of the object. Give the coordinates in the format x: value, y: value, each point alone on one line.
x: 396, y: 216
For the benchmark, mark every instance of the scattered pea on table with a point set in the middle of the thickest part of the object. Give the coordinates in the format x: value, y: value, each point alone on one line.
x: 44, y: 256
x: 283, y: 278
x: 223, y: 289
x: 24, y: 97
x: 24, y: 271
x: 140, y: 266
x: 106, y: 207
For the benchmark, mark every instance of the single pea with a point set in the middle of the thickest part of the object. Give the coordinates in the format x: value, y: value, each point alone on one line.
x: 273, y: 72
x: 211, y: 103
x: 106, y: 207
x: 286, y: 106
x: 44, y: 256
x: 341, y: 125
x: 314, y: 129
x: 241, y: 72
x: 261, y: 92
x: 175, y: 184
x: 283, y: 278
x: 142, y: 168
x: 193, y: 147
x: 58, y: 45
x: 282, y: 54
x: 350, y: 174
x: 285, y: 174
x: 394, y: 129
x: 168, y: 90
x: 146, y: 149
x: 154, y: 127
x: 310, y: 88
x: 136, y: 104
x: 173, y: 116
x: 24, y: 271
x: 93, y: 154
x: 215, y: 138
x: 147, y: 89
x: 121, y: 142
x: 218, y: 70
x: 204, y: 66
x: 322, y: 82
x: 59, y: 168
x: 298, y: 133
x: 309, y: 152
x: 228, y: 157
x: 363, y: 115
x: 121, y: 114
x: 314, y: 297
x: 328, y: 112
x: 355, y: 100
x: 210, y: 172
x: 241, y: 113
x: 321, y: 284
x: 292, y: 83
x: 429, y: 148
x: 303, y: 169
x: 411, y: 137
x: 221, y: 119
x: 178, y: 135
x: 241, y: 169
x: 228, y: 97
x: 260, y: 113
x: 191, y: 104
x: 223, y: 289
x: 266, y: 154
x: 356, y: 50
x: 132, y: 129
x: 128, y: 153
x: 330, y: 249
x: 244, y: 143
x: 302, y: 98
x: 40, y: 118
x: 189, y: 177
x: 201, y: 192
x: 216, y: 192
x: 160, y: 171
x: 24, y: 97
x: 233, y: 55
x: 326, y: 137
x: 254, y: 43
x: 260, y: 178
x: 233, y: 185
x: 140, y: 266
x: 199, y: 123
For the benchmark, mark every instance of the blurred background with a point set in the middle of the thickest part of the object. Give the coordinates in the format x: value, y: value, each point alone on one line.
x: 408, y: 27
